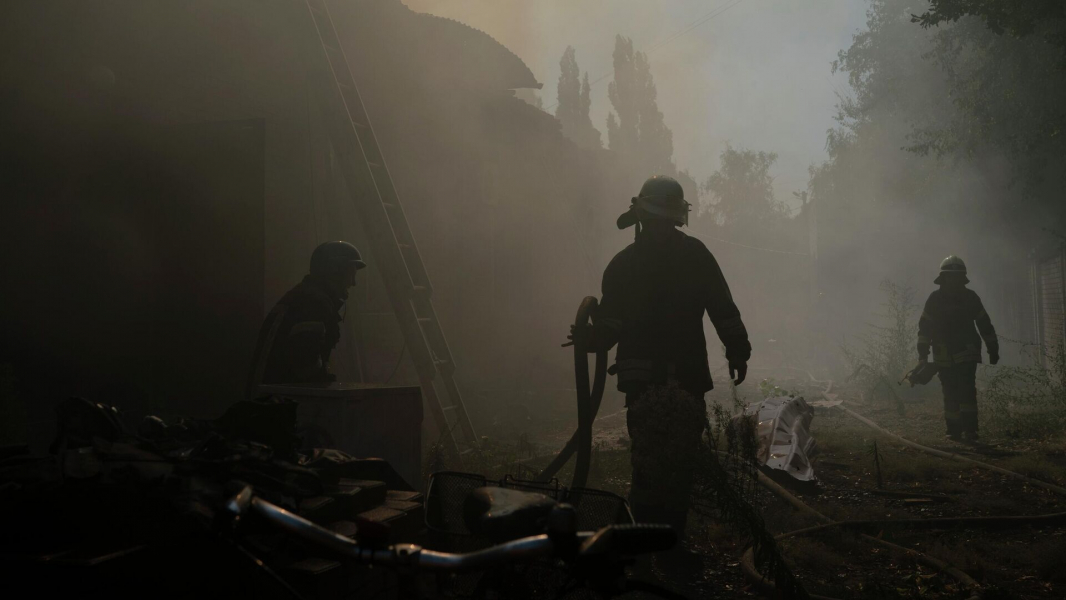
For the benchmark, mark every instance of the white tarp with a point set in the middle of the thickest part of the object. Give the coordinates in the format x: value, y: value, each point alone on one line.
x: 783, y: 433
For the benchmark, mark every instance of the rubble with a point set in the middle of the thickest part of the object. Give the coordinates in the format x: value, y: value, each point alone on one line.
x: 111, y: 510
x: 782, y: 431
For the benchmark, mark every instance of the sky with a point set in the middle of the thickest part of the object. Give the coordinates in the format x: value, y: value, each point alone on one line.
x: 756, y: 74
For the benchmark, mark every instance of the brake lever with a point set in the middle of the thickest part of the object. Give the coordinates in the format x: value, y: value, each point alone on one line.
x: 234, y: 508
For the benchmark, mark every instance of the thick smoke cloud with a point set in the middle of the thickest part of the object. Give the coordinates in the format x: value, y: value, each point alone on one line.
x: 757, y: 75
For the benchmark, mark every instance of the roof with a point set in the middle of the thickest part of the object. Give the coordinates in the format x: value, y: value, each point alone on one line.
x: 482, y: 52
x: 464, y: 56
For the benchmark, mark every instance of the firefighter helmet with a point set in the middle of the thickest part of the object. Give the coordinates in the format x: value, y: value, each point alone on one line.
x: 331, y: 256
x: 950, y: 265
x: 661, y: 197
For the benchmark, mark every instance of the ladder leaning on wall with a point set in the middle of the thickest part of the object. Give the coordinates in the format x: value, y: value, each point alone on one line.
x: 378, y: 205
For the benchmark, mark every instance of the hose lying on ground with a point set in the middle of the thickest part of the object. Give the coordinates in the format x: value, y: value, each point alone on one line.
x: 953, y: 456
x: 747, y: 562
x: 936, y: 522
x: 950, y: 455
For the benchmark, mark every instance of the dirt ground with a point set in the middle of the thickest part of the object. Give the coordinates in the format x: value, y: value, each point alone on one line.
x: 1020, y: 562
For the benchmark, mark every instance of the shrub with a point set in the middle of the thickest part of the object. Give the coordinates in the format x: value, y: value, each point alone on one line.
x: 1030, y: 400
x: 887, y: 350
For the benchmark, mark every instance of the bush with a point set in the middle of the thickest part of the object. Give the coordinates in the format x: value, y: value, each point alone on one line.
x: 1028, y: 401
x: 886, y: 350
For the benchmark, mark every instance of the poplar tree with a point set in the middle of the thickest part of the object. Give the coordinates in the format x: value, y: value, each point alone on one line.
x: 574, y: 103
x: 636, y: 128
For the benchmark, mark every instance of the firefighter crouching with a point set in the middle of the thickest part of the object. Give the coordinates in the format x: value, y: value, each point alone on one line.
x: 299, y: 334
x: 655, y: 293
x: 947, y: 326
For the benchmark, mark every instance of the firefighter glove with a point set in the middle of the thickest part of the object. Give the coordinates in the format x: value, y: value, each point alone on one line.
x: 737, y: 372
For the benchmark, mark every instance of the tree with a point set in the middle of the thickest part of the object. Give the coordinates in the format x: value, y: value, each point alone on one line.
x: 1018, y: 19
x: 1007, y: 96
x: 952, y: 137
x: 574, y: 103
x: 742, y: 190
x: 636, y: 128
x: 976, y: 88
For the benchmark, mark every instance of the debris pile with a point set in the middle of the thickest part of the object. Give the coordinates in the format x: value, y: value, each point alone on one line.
x: 114, y: 511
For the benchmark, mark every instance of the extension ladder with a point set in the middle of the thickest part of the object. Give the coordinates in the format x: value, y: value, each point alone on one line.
x: 406, y: 281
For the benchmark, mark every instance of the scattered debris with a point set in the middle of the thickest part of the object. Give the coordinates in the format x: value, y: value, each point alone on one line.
x: 782, y: 433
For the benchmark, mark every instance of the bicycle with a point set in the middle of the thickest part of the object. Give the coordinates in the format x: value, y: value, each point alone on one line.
x: 594, y: 559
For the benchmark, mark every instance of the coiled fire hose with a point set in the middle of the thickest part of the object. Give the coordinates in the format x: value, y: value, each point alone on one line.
x: 588, y: 403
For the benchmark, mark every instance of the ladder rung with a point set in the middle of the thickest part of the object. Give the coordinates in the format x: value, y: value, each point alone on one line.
x: 356, y: 142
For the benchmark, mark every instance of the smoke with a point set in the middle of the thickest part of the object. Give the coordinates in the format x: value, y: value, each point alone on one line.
x: 754, y: 74
x: 514, y: 223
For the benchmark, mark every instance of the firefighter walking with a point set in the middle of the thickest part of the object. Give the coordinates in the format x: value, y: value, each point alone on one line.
x: 947, y: 327
x: 655, y: 293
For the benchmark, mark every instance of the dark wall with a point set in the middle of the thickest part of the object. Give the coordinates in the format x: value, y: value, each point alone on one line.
x: 132, y: 266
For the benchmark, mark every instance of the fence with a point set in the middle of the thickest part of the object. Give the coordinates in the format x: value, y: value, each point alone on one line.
x: 1048, y: 281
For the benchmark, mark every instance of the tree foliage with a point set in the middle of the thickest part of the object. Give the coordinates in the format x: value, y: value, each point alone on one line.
x: 965, y: 80
x: 574, y: 103
x: 741, y: 191
x: 636, y: 128
x: 1012, y: 17
x: 1008, y: 95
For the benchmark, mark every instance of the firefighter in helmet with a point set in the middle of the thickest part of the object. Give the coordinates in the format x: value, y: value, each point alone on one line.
x: 947, y: 327
x: 655, y: 293
x: 301, y: 331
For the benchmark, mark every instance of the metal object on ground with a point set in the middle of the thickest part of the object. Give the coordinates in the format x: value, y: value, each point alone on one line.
x: 782, y: 430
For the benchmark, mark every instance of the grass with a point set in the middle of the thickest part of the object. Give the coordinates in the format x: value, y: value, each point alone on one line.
x: 887, y: 349
x: 1019, y: 563
x: 1036, y: 466
x: 1027, y: 401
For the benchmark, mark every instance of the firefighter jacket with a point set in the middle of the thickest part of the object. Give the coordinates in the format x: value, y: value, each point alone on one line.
x: 655, y: 293
x: 947, y: 326
x: 297, y: 337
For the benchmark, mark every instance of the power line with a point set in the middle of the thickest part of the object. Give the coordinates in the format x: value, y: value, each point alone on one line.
x: 720, y: 9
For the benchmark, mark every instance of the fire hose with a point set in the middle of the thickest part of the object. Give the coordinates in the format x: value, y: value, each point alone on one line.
x: 767, y: 587
x: 588, y: 403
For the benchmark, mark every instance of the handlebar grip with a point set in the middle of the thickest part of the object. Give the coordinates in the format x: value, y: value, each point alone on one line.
x: 637, y: 538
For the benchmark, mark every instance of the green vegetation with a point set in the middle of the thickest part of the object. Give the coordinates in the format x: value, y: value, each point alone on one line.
x: 1028, y: 401
x: 887, y: 349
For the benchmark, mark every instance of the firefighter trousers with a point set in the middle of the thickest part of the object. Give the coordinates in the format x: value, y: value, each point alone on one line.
x: 959, y: 382
x: 665, y: 425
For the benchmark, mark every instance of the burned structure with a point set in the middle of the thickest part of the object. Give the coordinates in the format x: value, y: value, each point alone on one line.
x: 172, y: 180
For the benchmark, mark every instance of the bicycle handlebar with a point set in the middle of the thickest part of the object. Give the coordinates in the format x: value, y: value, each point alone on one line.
x: 613, y: 539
